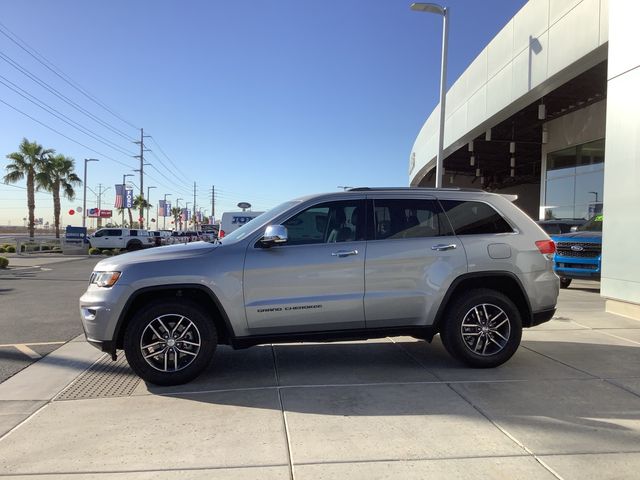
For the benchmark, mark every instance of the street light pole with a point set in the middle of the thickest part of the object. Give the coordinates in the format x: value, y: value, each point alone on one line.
x: 84, y: 195
x: 439, y: 10
x: 124, y: 194
x: 164, y: 218
x: 149, y: 205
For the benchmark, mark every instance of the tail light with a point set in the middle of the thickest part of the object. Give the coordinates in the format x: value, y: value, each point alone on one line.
x: 546, y: 247
x: 221, y: 234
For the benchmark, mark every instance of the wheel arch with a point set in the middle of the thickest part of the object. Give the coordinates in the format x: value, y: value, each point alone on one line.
x: 195, y: 292
x: 502, y: 281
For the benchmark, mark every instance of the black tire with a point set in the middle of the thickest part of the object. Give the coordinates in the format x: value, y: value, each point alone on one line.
x: 565, y: 282
x: 482, y: 347
x: 134, y: 245
x: 176, y: 362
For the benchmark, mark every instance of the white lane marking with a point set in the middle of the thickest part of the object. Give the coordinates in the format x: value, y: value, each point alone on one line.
x: 27, y: 351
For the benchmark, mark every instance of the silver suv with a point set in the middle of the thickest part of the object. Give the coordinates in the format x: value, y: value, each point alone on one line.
x: 365, y: 263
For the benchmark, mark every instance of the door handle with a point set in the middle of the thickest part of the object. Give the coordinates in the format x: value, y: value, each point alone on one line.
x: 441, y: 247
x: 344, y: 253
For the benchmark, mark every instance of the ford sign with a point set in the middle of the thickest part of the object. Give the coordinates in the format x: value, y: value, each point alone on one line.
x: 577, y: 248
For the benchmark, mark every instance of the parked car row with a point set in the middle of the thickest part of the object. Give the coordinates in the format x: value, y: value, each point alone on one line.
x: 135, y: 239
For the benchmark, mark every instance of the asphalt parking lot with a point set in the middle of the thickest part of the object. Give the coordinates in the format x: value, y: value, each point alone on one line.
x: 567, y: 405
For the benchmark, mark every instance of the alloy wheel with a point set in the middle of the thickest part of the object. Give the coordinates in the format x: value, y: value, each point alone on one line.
x: 486, y: 329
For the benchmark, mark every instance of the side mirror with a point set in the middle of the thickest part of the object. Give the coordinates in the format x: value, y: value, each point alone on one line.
x: 275, y: 235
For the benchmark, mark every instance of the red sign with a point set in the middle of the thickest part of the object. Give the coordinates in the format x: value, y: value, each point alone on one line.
x: 99, y: 213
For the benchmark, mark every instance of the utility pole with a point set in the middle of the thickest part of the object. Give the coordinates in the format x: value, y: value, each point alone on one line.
x: 141, y: 157
x: 195, y: 218
x: 100, y: 192
x: 213, y: 202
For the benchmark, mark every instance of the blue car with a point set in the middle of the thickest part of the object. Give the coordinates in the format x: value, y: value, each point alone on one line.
x: 578, y: 253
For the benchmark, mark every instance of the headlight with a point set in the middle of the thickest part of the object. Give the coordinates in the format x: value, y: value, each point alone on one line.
x: 104, y: 279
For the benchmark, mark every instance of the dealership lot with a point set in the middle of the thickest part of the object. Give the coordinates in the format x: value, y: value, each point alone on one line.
x: 567, y: 405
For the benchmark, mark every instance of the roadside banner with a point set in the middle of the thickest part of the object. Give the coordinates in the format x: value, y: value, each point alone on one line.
x: 128, y: 198
x: 162, y: 208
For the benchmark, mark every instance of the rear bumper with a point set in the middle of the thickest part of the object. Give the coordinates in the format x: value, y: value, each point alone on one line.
x: 542, y: 316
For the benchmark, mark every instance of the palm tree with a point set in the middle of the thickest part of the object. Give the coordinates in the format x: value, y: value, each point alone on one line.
x: 56, y: 173
x: 141, y: 204
x: 26, y: 163
x: 176, y: 212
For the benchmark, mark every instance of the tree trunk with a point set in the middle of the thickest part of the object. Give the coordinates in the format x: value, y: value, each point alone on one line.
x: 141, y: 222
x: 56, y: 207
x: 130, y: 218
x: 31, y: 202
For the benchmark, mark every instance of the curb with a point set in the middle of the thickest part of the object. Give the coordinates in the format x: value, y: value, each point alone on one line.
x: 30, y: 390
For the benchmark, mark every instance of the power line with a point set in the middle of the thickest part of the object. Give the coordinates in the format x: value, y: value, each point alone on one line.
x: 65, y: 136
x: 61, y: 116
x: 168, y: 169
x: 168, y: 158
x: 57, y: 71
x: 61, y: 96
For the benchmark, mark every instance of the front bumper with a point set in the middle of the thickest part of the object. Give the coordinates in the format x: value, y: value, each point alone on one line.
x: 99, y: 311
x: 572, y: 267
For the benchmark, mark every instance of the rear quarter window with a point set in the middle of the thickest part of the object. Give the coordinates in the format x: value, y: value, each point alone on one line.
x: 474, y: 218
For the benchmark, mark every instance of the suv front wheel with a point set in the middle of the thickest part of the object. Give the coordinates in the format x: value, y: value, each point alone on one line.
x: 170, y: 342
x: 483, y: 328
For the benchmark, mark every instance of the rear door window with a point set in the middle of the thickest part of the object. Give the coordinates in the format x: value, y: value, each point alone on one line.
x: 408, y: 218
x: 474, y: 218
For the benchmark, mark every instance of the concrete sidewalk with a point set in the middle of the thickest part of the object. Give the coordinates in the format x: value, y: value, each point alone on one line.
x: 567, y: 405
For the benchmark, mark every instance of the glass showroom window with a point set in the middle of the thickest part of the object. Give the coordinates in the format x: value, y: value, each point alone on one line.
x: 575, y: 179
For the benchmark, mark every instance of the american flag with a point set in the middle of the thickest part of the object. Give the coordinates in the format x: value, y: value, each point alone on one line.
x: 119, y: 196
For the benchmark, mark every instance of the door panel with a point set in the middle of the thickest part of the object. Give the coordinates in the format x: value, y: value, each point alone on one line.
x: 412, y: 258
x: 406, y: 279
x: 315, y: 281
x: 305, y: 287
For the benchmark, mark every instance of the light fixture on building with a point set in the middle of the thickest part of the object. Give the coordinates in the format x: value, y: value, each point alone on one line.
x: 451, y: 179
x: 512, y: 147
x: 487, y: 135
x: 471, y: 146
x: 472, y: 160
x: 482, y: 180
x: 513, y: 161
x: 478, y: 172
x: 513, y: 172
x: 542, y: 111
x: 545, y: 134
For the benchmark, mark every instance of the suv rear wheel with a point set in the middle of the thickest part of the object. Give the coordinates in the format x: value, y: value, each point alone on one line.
x: 565, y: 282
x: 170, y: 343
x: 483, y: 328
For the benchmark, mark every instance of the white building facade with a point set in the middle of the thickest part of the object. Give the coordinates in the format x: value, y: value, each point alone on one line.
x: 550, y: 110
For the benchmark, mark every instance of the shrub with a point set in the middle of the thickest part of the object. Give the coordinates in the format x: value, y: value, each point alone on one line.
x: 45, y: 248
x: 94, y: 251
x: 2, y: 250
x: 116, y: 251
x: 57, y: 249
x: 108, y: 253
x: 10, y: 249
x: 4, y: 262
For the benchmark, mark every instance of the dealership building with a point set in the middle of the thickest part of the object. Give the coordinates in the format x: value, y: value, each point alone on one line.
x: 550, y: 111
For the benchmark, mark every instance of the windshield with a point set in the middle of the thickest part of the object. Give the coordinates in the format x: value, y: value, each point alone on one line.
x: 594, y: 224
x: 258, y: 222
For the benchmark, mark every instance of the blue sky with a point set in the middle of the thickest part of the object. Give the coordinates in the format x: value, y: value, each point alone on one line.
x: 266, y: 100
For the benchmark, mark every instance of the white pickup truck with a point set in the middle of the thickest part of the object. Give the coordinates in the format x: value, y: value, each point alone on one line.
x: 127, y: 238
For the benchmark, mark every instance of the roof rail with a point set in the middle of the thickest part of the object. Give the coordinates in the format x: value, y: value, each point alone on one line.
x: 384, y: 189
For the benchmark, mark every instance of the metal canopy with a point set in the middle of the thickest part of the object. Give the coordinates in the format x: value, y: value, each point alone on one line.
x: 493, y: 157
